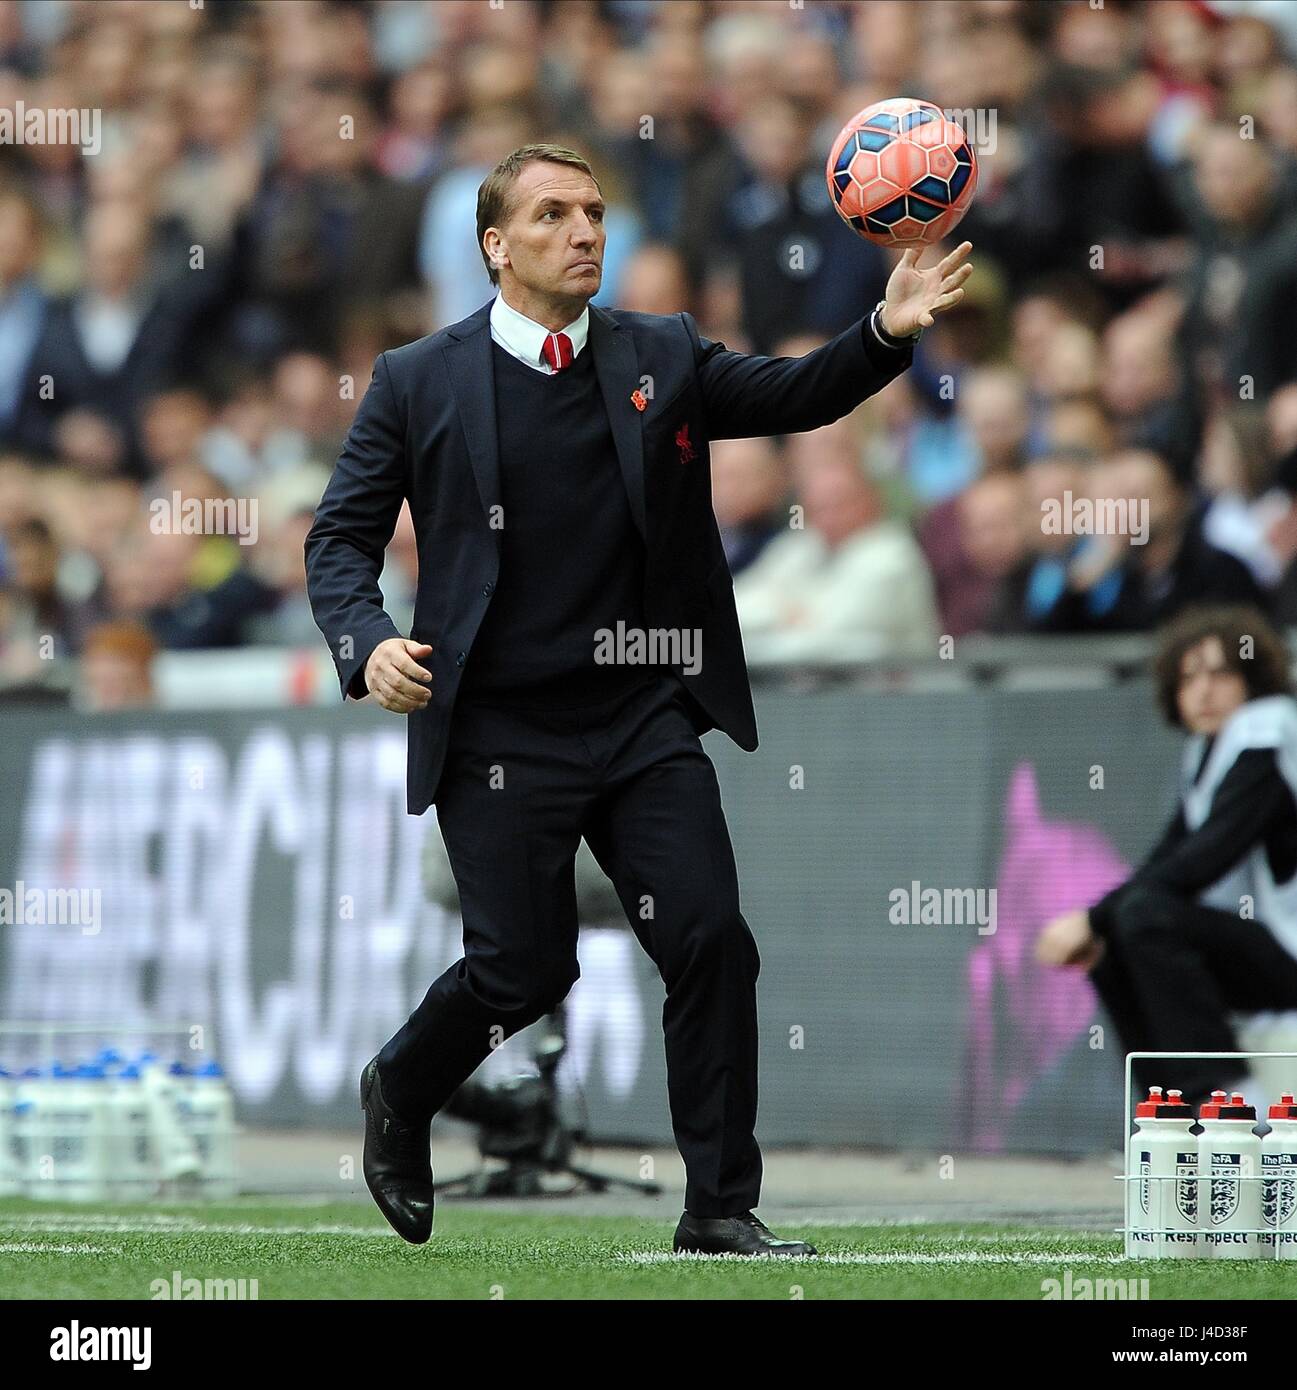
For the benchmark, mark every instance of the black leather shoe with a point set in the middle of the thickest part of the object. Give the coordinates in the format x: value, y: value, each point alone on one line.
x: 397, y: 1163
x: 743, y: 1234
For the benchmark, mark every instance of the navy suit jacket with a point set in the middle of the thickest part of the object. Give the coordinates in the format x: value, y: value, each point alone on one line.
x: 426, y: 430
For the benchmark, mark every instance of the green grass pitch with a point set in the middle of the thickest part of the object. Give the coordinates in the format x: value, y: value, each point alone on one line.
x: 345, y: 1251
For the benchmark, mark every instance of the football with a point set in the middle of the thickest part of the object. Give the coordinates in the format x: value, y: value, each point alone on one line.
x: 901, y: 174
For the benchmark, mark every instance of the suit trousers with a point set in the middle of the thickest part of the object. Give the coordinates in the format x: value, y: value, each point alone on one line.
x: 1173, y: 971
x: 520, y: 787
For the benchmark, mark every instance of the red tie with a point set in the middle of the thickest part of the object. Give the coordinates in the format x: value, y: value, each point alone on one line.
x: 557, y: 351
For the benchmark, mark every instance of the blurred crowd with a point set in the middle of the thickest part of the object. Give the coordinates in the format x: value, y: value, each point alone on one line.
x: 283, y: 190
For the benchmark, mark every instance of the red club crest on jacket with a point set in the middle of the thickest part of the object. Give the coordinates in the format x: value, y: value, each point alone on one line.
x: 686, y: 449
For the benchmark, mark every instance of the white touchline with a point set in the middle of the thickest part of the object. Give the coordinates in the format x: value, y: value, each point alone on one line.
x: 99, y: 1225
x: 965, y: 1257
x: 71, y: 1223
x: 35, y: 1247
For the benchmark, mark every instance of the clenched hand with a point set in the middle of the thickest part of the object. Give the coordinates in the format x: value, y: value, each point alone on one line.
x: 1069, y: 940
x: 393, y: 673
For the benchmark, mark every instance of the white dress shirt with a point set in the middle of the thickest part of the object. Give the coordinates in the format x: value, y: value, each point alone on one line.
x: 107, y: 328
x: 524, y: 338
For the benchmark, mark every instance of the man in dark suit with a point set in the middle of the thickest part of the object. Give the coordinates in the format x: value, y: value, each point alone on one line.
x: 574, y: 632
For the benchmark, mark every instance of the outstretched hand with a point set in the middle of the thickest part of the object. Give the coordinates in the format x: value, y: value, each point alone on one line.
x: 914, y: 295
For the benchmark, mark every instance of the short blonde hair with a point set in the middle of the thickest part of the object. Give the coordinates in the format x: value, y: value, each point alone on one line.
x: 494, y: 196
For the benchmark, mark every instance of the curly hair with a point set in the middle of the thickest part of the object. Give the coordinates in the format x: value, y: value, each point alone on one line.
x: 1252, y: 649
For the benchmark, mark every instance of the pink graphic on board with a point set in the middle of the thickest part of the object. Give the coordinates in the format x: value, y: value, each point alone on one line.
x: 1023, y: 1017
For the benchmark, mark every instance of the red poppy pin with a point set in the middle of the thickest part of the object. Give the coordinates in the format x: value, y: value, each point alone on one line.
x: 639, y: 400
x: 683, y: 445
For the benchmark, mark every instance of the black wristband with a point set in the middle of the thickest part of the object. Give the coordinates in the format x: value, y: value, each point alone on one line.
x: 890, y: 339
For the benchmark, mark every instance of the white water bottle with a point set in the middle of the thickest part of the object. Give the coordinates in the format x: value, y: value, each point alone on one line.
x: 28, y: 1088
x: 1279, y: 1169
x: 209, y: 1112
x: 1162, y: 1206
x: 10, y: 1177
x: 133, y: 1173
x: 68, y: 1137
x: 1229, y: 1154
x: 176, y: 1156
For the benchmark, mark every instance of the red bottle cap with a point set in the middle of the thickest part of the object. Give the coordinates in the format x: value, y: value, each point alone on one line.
x: 1221, y: 1106
x: 1286, y: 1109
x: 1209, y: 1109
x: 1156, y: 1108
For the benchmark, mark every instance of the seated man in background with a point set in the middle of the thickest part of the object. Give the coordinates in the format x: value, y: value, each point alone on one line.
x: 1208, y: 924
x: 974, y: 543
x: 1177, y: 566
x: 749, y: 487
x: 1031, y: 596
x: 847, y: 573
x: 1087, y: 576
